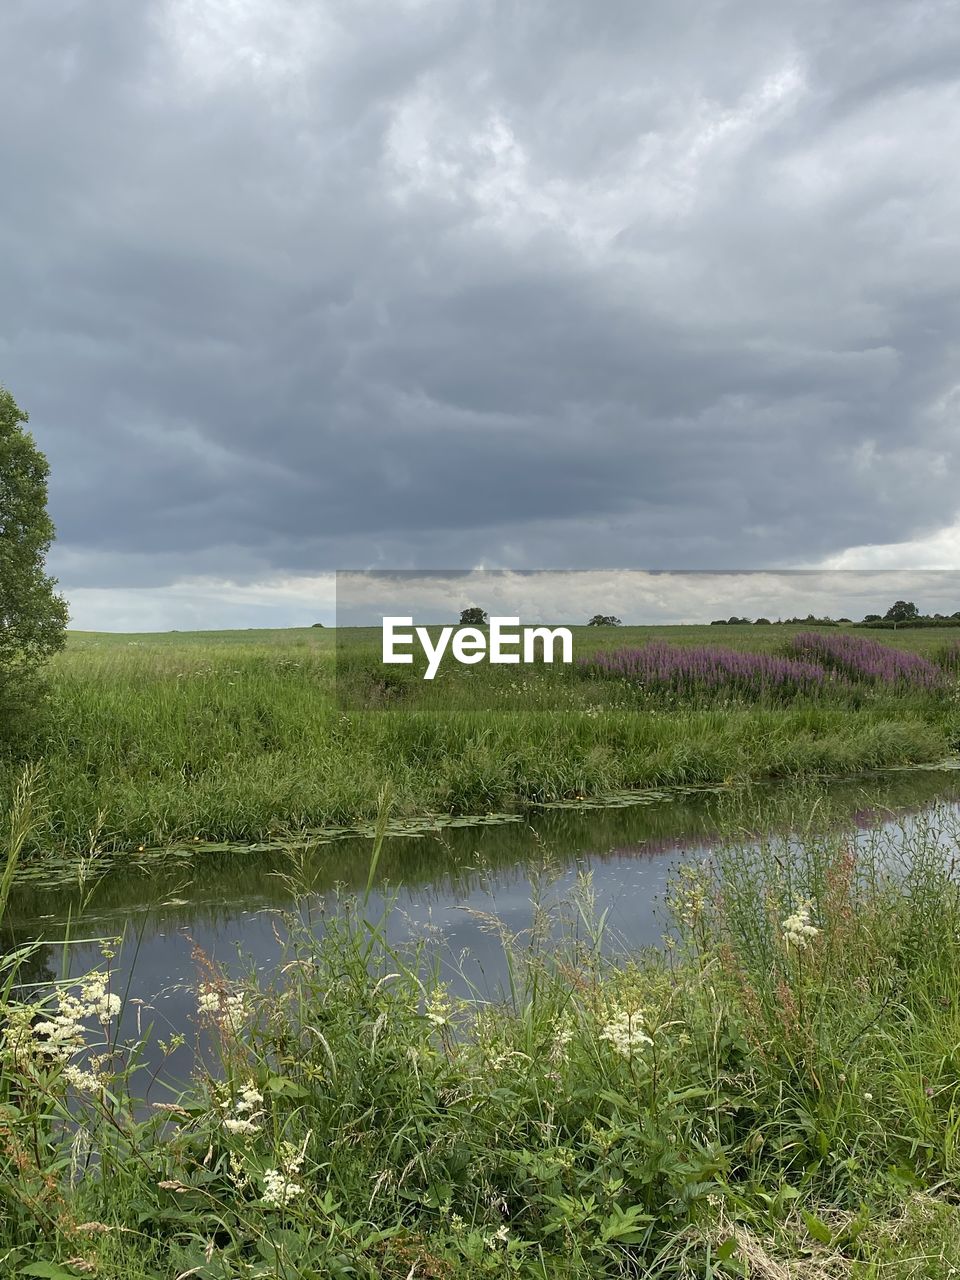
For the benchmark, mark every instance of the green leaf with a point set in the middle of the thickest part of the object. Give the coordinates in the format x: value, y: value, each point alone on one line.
x: 623, y: 1225
x: 818, y: 1229
x: 727, y: 1249
x: 286, y: 1088
x: 48, y: 1270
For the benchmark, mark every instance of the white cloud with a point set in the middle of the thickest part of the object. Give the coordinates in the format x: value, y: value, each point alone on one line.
x: 940, y: 550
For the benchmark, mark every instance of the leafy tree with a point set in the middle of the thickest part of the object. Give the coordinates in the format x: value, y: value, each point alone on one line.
x: 902, y: 611
x: 604, y: 620
x: 872, y: 617
x: 473, y: 617
x: 763, y: 622
x: 33, y: 618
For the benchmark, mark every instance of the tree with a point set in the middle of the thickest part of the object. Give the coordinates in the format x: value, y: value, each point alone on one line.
x: 473, y: 617
x: 604, y: 620
x: 763, y: 622
x: 33, y: 617
x: 902, y: 611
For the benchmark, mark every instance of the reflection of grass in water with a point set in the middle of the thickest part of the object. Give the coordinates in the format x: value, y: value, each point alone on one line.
x: 213, y: 885
x: 743, y: 1104
x: 235, y: 737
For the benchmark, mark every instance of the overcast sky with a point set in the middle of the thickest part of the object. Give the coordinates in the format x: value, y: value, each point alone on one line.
x: 295, y: 286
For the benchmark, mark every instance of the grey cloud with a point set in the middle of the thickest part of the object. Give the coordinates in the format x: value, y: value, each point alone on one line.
x: 366, y: 283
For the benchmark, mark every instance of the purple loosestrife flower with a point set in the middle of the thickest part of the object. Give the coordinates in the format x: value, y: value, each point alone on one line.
x: 870, y: 660
x: 659, y: 666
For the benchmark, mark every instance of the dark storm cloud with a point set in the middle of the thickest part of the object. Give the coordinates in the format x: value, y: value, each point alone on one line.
x: 289, y: 286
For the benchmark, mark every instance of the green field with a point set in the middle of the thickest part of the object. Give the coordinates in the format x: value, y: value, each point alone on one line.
x: 151, y: 739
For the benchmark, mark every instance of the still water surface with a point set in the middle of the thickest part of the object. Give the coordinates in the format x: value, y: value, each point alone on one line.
x: 231, y: 903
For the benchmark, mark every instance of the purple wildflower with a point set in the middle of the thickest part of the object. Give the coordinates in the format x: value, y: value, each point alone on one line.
x: 665, y: 667
x: 864, y: 659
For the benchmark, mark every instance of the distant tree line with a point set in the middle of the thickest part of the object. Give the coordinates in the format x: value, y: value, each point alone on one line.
x: 902, y: 613
x: 809, y: 621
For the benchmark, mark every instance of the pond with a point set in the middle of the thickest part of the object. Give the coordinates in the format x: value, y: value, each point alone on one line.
x: 228, y: 904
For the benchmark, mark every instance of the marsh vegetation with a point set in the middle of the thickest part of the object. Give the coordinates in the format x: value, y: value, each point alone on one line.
x: 234, y: 736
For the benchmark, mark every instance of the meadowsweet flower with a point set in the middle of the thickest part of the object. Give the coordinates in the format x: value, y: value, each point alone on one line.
x: 245, y: 1111
x: 238, y: 1175
x: 41, y: 1036
x: 625, y: 1033
x: 100, y: 1002
x: 239, y: 1125
x: 249, y: 1098
x: 563, y: 1033
x: 278, y: 1189
x: 208, y: 1002
x: 798, y: 932
x: 229, y: 1008
x: 293, y: 1156
x: 82, y: 1081
x: 235, y: 1010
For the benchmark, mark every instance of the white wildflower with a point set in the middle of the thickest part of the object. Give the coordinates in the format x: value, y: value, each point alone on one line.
x: 241, y: 1126
x: 626, y: 1034
x: 562, y: 1035
x: 278, y: 1189
x: 228, y: 1008
x: 498, y: 1237
x: 798, y: 932
x: 293, y: 1156
x: 209, y: 1002
x: 235, y: 1010
x: 82, y: 1081
x: 249, y: 1098
x: 246, y: 1110
x: 98, y: 1001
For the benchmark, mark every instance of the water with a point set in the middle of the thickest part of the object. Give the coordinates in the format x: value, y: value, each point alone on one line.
x: 229, y: 904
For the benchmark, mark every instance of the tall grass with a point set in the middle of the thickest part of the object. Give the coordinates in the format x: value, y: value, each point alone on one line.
x: 755, y: 1099
x: 234, y: 741
x: 23, y: 820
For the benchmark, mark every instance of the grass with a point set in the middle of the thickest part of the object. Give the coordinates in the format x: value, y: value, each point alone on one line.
x: 732, y: 1105
x: 232, y: 736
